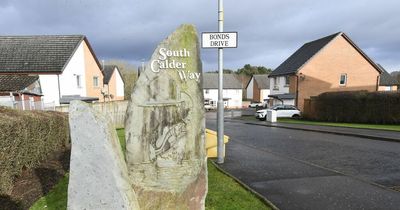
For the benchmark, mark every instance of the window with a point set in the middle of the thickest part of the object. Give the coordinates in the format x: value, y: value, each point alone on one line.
x: 78, y: 81
x: 95, y: 81
x: 287, y: 80
x: 343, y: 79
x: 276, y: 83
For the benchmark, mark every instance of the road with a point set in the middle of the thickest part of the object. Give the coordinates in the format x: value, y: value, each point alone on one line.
x: 308, y: 170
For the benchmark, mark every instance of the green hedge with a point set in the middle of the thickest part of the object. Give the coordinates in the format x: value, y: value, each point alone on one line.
x: 358, y: 107
x: 26, y: 138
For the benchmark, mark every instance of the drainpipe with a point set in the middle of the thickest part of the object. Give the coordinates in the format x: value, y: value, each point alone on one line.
x: 59, y: 89
x: 297, y: 91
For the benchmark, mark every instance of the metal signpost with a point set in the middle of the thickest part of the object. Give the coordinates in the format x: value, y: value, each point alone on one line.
x: 220, y: 40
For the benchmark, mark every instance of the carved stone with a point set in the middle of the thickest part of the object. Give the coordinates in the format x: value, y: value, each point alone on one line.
x: 165, y: 127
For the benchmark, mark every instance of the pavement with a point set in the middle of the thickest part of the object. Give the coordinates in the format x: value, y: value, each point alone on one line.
x: 357, y: 132
x: 299, y: 169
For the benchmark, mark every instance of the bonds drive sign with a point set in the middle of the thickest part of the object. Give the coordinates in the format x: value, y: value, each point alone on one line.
x: 219, y: 39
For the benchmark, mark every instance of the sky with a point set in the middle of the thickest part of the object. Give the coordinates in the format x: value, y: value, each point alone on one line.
x: 269, y: 31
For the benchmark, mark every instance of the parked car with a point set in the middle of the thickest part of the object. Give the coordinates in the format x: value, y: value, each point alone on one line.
x: 281, y: 111
x: 256, y: 104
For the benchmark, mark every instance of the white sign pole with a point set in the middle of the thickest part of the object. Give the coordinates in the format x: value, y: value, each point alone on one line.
x: 220, y: 104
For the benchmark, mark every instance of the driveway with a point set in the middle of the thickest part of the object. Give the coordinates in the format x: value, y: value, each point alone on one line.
x: 298, y: 169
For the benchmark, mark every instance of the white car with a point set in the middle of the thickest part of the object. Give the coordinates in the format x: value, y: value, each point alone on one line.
x: 281, y: 111
x: 256, y: 104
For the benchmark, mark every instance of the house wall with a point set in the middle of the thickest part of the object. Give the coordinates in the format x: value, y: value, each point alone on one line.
x: 92, y: 69
x: 116, y: 86
x: 279, y: 87
x: 264, y: 93
x: 388, y: 88
x: 49, y: 85
x: 256, y: 92
x: 235, y: 96
x: 68, y: 78
x: 249, y: 90
x: 322, y: 73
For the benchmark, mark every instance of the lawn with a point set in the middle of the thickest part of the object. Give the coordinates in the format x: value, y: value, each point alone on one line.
x: 223, y: 192
x: 349, y: 125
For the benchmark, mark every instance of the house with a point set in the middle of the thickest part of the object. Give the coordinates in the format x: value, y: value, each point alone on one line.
x: 66, y: 65
x: 387, y: 82
x: 332, y: 63
x: 113, y: 83
x: 258, y: 88
x: 232, y: 90
x: 20, y: 91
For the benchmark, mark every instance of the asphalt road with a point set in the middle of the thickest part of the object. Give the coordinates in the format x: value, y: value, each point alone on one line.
x: 308, y: 170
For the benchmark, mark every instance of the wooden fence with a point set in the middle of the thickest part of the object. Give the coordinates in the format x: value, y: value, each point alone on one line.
x: 116, y: 110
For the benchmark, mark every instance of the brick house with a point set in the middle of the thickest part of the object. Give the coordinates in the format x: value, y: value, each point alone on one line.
x: 387, y: 82
x: 67, y: 66
x: 258, y: 88
x: 332, y: 63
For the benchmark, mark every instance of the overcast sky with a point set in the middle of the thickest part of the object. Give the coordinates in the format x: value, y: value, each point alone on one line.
x: 269, y: 30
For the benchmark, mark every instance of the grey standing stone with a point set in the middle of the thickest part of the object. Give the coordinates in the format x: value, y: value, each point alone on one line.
x: 98, y: 176
x: 165, y: 127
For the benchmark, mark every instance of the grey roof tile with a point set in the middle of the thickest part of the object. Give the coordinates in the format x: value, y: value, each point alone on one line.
x: 386, y: 79
x: 30, y: 54
x: 210, y: 81
x: 12, y: 83
x: 262, y: 81
x: 108, y: 70
x: 302, y: 55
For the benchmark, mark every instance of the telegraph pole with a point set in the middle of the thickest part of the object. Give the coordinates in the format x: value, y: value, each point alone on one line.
x: 220, y: 104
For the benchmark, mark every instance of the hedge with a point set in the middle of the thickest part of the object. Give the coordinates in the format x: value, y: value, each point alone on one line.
x: 27, y: 138
x: 358, y: 107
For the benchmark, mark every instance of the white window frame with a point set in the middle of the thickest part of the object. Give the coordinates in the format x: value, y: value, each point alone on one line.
x: 78, y: 81
x: 345, y: 80
x: 95, y: 81
x: 287, y: 80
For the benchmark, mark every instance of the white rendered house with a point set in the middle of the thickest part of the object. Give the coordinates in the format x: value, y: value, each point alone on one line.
x: 232, y: 90
x: 66, y: 65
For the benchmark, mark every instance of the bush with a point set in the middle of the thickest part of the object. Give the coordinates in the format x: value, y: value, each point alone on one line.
x: 358, y: 107
x: 26, y: 138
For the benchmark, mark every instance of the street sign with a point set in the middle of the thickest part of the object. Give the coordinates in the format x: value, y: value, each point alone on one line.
x: 219, y: 39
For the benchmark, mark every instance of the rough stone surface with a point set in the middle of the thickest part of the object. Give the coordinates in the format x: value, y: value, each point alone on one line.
x: 98, y: 176
x: 165, y: 128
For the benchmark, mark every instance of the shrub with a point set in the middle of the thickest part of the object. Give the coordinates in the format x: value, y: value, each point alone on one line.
x: 358, y: 107
x: 26, y: 138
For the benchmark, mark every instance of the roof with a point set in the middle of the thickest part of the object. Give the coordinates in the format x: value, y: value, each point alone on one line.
x: 13, y: 83
x: 68, y: 98
x: 386, y: 79
x: 210, y: 81
x: 283, y: 96
x: 38, y: 54
x: 108, y: 71
x: 262, y: 81
x: 308, y: 50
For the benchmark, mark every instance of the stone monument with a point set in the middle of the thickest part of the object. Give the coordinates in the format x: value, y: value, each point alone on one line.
x: 165, y: 127
x: 98, y: 176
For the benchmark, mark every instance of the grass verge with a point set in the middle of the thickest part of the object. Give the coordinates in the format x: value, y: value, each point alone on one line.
x: 223, y: 192
x: 349, y: 125
x: 56, y: 199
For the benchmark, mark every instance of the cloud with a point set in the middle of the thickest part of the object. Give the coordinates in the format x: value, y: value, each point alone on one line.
x: 269, y: 31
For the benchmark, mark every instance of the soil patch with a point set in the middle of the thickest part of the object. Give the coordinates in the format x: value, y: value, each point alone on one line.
x: 35, y: 183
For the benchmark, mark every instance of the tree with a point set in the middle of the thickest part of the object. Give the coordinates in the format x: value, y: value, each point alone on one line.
x: 396, y: 75
x: 249, y: 70
x: 129, y: 75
